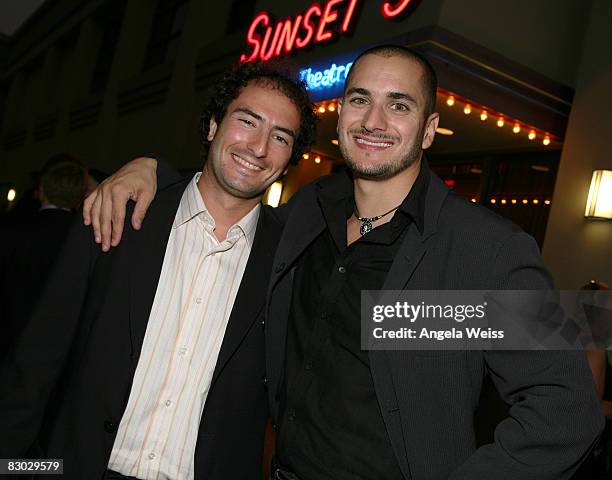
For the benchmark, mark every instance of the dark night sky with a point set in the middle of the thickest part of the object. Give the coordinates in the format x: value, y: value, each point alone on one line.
x: 14, y: 12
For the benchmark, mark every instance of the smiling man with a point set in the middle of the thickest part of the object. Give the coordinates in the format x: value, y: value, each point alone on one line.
x: 160, y: 342
x: 389, y: 222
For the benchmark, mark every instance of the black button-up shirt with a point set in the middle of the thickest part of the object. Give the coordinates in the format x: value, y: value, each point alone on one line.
x: 331, y: 424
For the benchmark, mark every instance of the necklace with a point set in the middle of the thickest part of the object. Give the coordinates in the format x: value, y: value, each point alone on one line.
x: 366, y: 223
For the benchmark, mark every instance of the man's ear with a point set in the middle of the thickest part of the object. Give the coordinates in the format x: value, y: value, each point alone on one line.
x: 212, y: 129
x: 430, y: 130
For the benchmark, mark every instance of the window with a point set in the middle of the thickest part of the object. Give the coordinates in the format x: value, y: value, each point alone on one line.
x: 166, y: 32
x: 109, y: 19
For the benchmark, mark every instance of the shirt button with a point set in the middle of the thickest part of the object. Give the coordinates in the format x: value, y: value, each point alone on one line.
x: 151, y: 456
x: 308, y: 366
x: 341, y: 269
x: 324, y: 316
x: 168, y: 403
x: 182, y: 351
x: 198, y: 300
x: 291, y: 416
x: 109, y: 426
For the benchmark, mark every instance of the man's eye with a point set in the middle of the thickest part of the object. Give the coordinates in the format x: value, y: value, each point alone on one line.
x: 281, y: 139
x: 400, y: 107
x: 358, y: 101
x: 247, y: 122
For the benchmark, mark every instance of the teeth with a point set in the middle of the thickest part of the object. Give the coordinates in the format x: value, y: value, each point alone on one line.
x: 249, y: 165
x: 373, y: 144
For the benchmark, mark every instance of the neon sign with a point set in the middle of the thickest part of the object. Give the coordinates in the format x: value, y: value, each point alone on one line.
x: 335, y: 74
x: 315, y: 25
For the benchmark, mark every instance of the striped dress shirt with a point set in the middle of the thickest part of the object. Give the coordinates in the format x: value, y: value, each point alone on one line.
x: 199, y: 280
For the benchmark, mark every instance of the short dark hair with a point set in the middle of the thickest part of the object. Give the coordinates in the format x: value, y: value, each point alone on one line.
x: 63, y: 181
x: 429, y: 77
x: 230, y: 87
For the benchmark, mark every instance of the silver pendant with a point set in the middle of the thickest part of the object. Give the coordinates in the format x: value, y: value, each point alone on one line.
x: 366, y: 226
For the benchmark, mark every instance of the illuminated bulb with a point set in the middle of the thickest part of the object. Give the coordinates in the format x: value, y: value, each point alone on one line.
x: 513, y: 201
x: 473, y: 200
x: 331, y: 108
x: 467, y: 109
x: 547, y: 202
x: 525, y: 201
x: 11, y: 195
x: 493, y: 201
x: 274, y: 194
x: 335, y: 141
x: 483, y: 115
x: 321, y: 109
x: 535, y: 201
x: 305, y: 156
x: 500, y: 122
x: 531, y: 135
x: 504, y: 201
x: 546, y: 140
x: 317, y: 159
x: 450, y: 101
x: 516, y: 128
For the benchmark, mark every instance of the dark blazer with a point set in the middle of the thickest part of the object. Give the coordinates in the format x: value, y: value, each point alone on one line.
x: 87, y: 334
x: 428, y: 399
x: 28, y: 248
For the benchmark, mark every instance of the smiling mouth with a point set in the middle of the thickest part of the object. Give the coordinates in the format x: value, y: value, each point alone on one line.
x: 370, y: 143
x: 245, y: 164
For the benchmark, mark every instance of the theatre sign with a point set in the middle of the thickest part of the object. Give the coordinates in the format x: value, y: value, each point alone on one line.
x: 318, y: 23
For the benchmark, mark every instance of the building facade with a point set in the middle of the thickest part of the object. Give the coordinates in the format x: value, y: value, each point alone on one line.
x: 107, y: 80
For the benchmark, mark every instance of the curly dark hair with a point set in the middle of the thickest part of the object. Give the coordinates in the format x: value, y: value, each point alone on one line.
x: 274, y: 76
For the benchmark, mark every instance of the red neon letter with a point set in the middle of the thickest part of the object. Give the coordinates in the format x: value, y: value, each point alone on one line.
x: 253, y: 38
x: 389, y: 11
x: 288, y: 34
x: 327, y: 18
x: 348, y: 15
x: 315, y: 9
x: 265, y: 56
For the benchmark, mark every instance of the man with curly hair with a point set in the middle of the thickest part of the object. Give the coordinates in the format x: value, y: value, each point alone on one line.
x: 157, y: 348
x: 389, y: 223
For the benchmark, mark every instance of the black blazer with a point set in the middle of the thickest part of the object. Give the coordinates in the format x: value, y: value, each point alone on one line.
x: 86, y: 336
x: 428, y: 399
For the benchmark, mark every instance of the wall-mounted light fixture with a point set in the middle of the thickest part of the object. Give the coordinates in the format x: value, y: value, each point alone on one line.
x: 273, y: 195
x: 599, y: 202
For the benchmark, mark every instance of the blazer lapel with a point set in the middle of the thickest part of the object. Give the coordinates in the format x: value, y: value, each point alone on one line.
x: 147, y: 250
x: 407, y: 259
x: 251, y: 295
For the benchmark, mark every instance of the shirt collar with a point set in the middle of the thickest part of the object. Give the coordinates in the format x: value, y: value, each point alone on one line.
x: 413, y: 204
x: 192, y: 206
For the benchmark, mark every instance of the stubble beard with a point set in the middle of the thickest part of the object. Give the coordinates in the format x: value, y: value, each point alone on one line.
x: 387, y: 170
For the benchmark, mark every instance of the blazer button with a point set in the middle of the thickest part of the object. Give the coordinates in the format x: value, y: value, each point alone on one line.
x: 263, y: 324
x: 280, y: 267
x: 275, y: 427
x: 109, y: 426
x: 265, y: 383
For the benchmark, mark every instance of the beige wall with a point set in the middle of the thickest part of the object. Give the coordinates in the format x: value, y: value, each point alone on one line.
x: 576, y: 249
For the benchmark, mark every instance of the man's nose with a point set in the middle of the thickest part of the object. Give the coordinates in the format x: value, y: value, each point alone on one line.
x: 258, y: 143
x: 374, y: 119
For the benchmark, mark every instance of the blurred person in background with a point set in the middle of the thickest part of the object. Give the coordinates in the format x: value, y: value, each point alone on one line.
x: 30, y: 243
x: 599, y: 463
